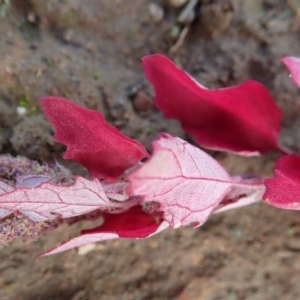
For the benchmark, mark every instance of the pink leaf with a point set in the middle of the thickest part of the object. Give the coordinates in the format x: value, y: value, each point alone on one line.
x: 90, y: 140
x: 29, y: 181
x: 283, y: 191
x: 116, y: 190
x: 48, y: 201
x: 132, y: 224
x: 5, y: 188
x: 186, y: 182
x: 242, y: 195
x: 242, y: 119
x: 293, y: 65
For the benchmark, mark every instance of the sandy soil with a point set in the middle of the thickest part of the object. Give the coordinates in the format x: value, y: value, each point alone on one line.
x: 90, y: 51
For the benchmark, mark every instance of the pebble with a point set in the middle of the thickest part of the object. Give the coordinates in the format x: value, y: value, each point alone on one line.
x: 142, y: 101
x: 177, y: 3
x: 188, y: 14
x: 68, y: 35
x: 293, y: 245
x: 21, y: 111
x: 32, y: 18
x: 84, y: 250
x: 156, y: 12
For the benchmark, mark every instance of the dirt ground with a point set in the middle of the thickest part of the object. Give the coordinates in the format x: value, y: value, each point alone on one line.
x: 90, y: 51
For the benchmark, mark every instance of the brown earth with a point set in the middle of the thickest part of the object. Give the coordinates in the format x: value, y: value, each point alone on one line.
x: 90, y: 51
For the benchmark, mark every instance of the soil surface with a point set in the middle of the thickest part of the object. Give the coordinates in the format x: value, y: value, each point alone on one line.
x: 90, y: 52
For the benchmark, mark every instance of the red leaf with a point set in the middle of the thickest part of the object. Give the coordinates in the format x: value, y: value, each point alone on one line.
x: 132, y: 224
x: 186, y: 182
x: 243, y: 119
x: 48, y: 201
x: 90, y: 140
x: 293, y: 65
x: 283, y: 191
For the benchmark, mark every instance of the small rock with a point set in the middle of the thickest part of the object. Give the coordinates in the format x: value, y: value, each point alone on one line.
x: 8, y: 70
x: 177, y: 3
x: 142, y: 101
x: 293, y: 245
x: 31, y: 17
x: 39, y: 72
x: 79, y: 296
x: 188, y: 14
x: 68, y: 35
x: 119, y: 124
x: 21, y: 111
x: 156, y: 12
x: 84, y: 250
x: 34, y: 45
x: 91, y: 47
